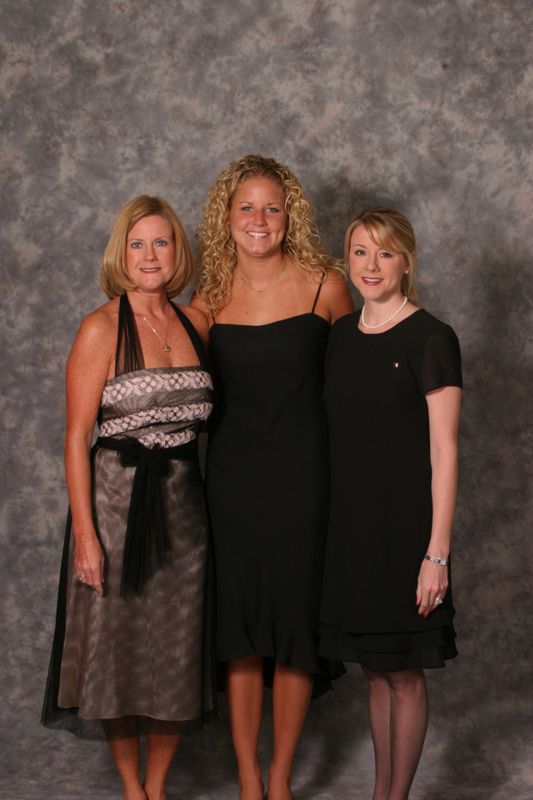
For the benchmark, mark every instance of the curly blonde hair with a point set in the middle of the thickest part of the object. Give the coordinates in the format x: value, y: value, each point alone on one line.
x: 218, y: 254
x: 392, y: 230
x: 114, y: 278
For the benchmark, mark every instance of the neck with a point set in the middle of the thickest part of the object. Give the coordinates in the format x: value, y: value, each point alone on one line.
x: 154, y: 303
x: 261, y: 269
x: 378, y: 310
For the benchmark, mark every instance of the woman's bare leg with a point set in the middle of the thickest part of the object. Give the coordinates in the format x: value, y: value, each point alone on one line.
x: 162, y: 739
x: 291, y: 694
x: 123, y: 739
x: 245, y: 698
x: 379, y: 711
x: 409, y: 720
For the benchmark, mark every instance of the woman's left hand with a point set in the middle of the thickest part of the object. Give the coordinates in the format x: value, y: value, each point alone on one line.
x: 431, y: 588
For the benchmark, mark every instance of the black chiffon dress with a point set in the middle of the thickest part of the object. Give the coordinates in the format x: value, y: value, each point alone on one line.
x: 267, y: 488
x: 381, y: 506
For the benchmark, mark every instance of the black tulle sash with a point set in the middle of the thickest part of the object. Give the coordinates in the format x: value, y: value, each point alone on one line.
x: 146, y: 542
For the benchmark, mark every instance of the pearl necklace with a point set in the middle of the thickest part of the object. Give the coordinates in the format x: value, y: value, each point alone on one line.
x: 276, y: 279
x: 386, y: 321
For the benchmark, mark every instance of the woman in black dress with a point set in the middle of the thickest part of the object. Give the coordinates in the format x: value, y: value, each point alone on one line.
x: 131, y: 648
x: 393, y: 378
x: 270, y: 296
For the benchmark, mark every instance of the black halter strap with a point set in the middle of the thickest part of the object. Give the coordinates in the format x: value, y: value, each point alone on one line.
x: 193, y: 335
x: 129, y: 354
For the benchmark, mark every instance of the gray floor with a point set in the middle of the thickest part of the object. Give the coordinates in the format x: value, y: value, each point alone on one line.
x: 489, y: 760
x: 329, y: 767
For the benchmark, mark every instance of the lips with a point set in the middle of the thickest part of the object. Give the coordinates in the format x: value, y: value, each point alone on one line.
x: 371, y: 281
x: 257, y: 234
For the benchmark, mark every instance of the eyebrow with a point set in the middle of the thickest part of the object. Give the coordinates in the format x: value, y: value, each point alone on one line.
x: 270, y: 203
x: 140, y: 238
x: 365, y: 247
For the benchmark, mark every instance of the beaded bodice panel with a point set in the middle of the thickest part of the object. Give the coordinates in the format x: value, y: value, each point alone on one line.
x: 161, y: 407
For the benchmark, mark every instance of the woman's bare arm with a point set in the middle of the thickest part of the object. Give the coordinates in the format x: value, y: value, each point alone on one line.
x: 87, y: 370
x: 443, y: 407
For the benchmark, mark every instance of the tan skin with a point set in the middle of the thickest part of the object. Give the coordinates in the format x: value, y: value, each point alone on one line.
x: 398, y: 700
x: 269, y: 286
x: 149, y: 257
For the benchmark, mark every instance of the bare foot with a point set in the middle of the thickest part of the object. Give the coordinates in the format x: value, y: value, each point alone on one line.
x: 136, y: 794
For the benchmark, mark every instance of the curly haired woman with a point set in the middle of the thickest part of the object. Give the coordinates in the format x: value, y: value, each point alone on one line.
x: 270, y: 294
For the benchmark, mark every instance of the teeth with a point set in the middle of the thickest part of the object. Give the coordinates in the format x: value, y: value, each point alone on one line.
x: 257, y: 235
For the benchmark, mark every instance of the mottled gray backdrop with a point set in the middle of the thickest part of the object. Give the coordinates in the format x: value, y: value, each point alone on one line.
x: 425, y: 105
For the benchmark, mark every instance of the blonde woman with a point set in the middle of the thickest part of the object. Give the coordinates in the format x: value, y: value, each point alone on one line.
x: 393, y: 393
x: 130, y: 652
x: 270, y: 295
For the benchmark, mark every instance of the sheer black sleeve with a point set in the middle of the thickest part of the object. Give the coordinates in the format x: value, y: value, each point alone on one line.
x: 440, y: 363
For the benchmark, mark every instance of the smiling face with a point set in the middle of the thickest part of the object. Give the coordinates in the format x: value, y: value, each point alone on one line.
x: 257, y: 217
x: 150, y: 253
x: 376, y: 272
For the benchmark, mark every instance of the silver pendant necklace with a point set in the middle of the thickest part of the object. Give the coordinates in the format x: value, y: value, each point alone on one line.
x: 166, y: 347
x: 385, y: 321
x: 264, y: 288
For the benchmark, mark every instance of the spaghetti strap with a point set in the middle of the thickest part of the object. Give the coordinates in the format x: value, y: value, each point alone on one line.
x: 317, y: 295
x: 193, y: 335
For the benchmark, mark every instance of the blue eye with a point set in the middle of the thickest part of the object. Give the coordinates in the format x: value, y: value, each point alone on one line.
x: 136, y: 245
x: 273, y: 209
x: 162, y: 242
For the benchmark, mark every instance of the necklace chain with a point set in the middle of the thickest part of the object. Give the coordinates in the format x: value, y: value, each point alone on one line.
x: 272, y: 282
x: 386, y: 321
x: 166, y: 347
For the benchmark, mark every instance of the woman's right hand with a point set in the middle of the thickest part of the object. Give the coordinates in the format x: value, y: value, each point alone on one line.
x: 89, y: 562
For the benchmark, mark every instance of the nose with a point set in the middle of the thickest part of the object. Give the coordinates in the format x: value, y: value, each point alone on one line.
x: 259, y: 217
x: 373, y: 266
x: 149, y: 253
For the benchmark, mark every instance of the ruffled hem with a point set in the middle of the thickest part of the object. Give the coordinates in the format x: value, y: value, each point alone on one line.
x: 390, y: 652
x: 323, y: 669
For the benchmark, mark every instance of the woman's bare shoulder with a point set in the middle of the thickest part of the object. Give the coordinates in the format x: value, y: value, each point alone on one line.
x: 197, y: 316
x: 335, y: 295
x: 100, y: 324
x: 198, y: 305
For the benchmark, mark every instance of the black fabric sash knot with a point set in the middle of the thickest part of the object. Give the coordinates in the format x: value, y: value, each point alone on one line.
x: 146, y: 542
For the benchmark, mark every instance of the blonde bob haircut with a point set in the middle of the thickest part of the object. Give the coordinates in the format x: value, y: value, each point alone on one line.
x: 114, y: 279
x: 391, y: 230
x: 218, y: 254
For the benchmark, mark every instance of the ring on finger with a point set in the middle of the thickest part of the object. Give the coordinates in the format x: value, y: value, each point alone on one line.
x: 438, y: 600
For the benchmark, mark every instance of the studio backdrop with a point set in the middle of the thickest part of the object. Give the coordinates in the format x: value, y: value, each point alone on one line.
x: 425, y: 106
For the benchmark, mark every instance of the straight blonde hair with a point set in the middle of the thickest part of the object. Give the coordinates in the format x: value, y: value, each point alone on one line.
x: 114, y: 278
x: 391, y: 230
